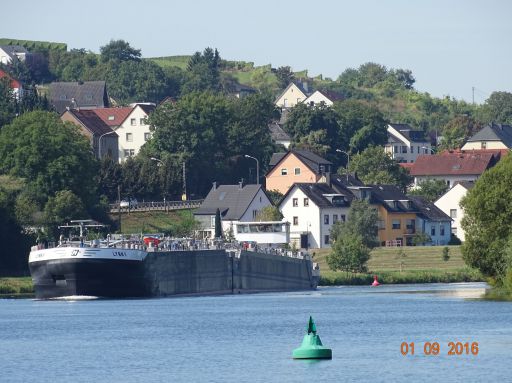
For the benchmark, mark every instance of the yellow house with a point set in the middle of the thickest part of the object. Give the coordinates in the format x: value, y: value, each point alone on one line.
x: 296, y: 166
x: 397, y: 215
x: 291, y: 96
x: 493, y: 136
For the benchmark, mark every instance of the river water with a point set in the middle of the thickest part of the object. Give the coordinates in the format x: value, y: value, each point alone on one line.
x: 250, y: 338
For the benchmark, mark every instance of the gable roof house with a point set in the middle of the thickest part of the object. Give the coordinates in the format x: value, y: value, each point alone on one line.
x: 293, y: 167
x: 104, y: 141
x: 432, y: 221
x: 405, y: 144
x: 452, y: 166
x: 278, y: 135
x: 130, y: 123
x: 449, y: 203
x: 83, y: 95
x: 312, y: 209
x: 492, y: 136
x: 237, y: 203
x: 10, y: 53
x: 14, y: 84
x: 294, y: 94
x: 325, y: 96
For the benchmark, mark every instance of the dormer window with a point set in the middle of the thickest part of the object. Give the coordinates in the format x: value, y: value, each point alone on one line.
x: 111, y: 118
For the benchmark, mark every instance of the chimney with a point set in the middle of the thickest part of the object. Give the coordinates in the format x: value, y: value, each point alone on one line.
x: 241, y: 184
x: 215, y: 185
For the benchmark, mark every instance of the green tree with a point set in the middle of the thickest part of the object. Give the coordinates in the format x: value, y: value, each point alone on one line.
x: 218, y: 224
x: 119, y: 50
x: 498, y: 108
x: 275, y: 196
x: 352, y: 240
x: 63, y: 207
x: 374, y: 166
x: 456, y: 131
x: 7, y: 103
x: 284, y: 76
x: 446, y: 253
x: 430, y: 189
x: 51, y: 156
x: 269, y: 213
x: 203, y: 72
x: 487, y: 221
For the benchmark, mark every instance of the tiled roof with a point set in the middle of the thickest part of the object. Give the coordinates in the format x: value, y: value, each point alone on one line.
x: 428, y: 210
x: 113, y: 116
x: 392, y: 199
x: 316, y: 193
x: 232, y: 201
x: 147, y: 108
x: 494, y: 132
x: 277, y: 133
x: 88, y: 94
x: 92, y: 122
x: 310, y: 159
x: 11, y: 50
x: 333, y: 96
x: 472, y: 163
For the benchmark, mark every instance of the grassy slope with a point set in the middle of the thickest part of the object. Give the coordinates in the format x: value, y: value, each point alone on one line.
x: 421, y: 264
x: 150, y: 222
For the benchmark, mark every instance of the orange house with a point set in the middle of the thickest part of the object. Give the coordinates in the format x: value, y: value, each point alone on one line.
x: 296, y: 166
x: 397, y: 215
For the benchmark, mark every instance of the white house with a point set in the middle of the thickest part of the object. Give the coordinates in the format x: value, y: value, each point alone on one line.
x: 312, y: 209
x: 449, y: 203
x: 432, y: 221
x: 293, y: 94
x: 236, y: 203
x: 405, y: 144
x: 130, y: 123
x: 8, y: 53
x: 323, y: 96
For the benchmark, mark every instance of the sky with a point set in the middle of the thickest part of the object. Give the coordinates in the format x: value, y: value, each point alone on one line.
x: 451, y: 46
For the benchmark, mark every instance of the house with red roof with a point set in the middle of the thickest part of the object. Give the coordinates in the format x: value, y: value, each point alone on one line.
x: 452, y: 167
x: 14, y: 84
x: 130, y: 123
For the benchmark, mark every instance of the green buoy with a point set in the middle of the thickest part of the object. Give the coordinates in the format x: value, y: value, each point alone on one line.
x: 311, y: 347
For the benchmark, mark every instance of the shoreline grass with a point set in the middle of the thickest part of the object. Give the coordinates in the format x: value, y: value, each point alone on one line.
x: 16, y: 287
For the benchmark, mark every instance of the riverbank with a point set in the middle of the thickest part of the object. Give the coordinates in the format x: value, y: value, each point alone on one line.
x: 16, y: 287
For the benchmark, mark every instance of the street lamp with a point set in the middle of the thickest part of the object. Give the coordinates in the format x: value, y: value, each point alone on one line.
x: 348, y: 159
x: 160, y: 162
x: 99, y: 142
x: 257, y: 168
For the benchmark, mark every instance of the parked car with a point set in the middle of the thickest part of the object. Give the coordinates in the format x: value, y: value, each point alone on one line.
x: 128, y: 203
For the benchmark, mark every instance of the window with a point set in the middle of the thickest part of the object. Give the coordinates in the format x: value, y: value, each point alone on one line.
x: 453, y: 213
x: 404, y: 149
x: 381, y: 224
x: 147, y: 136
x: 483, y: 145
x: 334, y: 218
x: 285, y: 103
x: 133, y: 121
x: 295, y: 221
x: 254, y: 213
x: 297, y: 171
x: 129, y: 137
x: 418, y: 149
x: 396, y: 224
x: 433, y: 230
x: 306, y: 202
x: 342, y: 218
x: 129, y: 153
x: 326, y: 239
x: 111, y: 118
x: 142, y: 121
x: 212, y: 221
x: 441, y: 230
x: 395, y: 149
x: 295, y: 202
x: 326, y: 219
x: 284, y: 172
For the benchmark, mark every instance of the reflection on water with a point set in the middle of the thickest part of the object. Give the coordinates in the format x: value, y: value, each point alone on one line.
x: 250, y: 338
